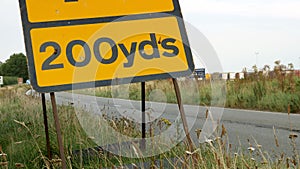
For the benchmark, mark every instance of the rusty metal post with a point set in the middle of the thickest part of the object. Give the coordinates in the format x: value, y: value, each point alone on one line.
x: 48, y: 146
x: 58, y: 131
x: 195, y: 157
x: 182, y: 114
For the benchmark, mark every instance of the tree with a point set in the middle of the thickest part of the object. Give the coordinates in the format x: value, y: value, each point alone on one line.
x: 16, y: 65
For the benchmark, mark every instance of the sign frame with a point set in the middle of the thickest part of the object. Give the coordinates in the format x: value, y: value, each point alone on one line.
x: 28, y: 26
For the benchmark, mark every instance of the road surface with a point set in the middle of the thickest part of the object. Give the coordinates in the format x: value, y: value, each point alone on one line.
x: 244, y: 127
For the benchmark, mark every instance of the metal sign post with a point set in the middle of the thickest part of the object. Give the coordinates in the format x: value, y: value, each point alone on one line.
x: 182, y: 114
x: 143, y: 98
x: 58, y: 131
x: 48, y: 146
x: 184, y: 122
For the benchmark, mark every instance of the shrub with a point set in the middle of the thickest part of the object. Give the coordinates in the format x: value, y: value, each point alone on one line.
x: 9, y: 80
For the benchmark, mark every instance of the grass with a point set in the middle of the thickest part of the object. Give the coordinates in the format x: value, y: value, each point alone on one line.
x: 22, y: 142
x: 160, y: 90
x: 264, y: 94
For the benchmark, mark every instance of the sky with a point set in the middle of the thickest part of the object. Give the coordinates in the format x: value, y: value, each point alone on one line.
x: 243, y: 33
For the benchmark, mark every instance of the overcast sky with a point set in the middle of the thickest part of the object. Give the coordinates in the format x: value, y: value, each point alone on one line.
x: 237, y: 29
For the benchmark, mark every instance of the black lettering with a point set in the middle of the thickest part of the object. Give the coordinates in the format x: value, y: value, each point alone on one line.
x: 71, y: 0
x: 153, y: 44
x: 70, y: 56
x: 129, y: 55
x: 175, y: 50
x: 57, y: 51
x: 114, y: 49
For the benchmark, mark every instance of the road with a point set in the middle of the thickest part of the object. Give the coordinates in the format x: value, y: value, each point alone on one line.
x: 244, y: 127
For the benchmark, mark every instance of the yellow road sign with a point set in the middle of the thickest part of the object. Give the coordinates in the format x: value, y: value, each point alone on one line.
x: 90, y: 43
x: 55, y: 10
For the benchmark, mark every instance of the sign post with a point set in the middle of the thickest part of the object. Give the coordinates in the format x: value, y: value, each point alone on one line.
x: 58, y: 131
x: 143, y: 99
x: 49, y: 153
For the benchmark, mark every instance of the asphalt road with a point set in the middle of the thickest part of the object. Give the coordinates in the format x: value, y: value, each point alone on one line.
x: 244, y: 127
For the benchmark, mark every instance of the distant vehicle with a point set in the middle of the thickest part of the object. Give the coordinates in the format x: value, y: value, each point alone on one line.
x: 231, y: 76
x: 207, y: 76
x: 239, y: 76
x: 224, y: 76
x: 200, y: 73
x: 242, y: 75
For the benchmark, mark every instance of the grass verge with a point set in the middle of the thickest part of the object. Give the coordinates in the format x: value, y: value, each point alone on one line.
x: 22, y: 143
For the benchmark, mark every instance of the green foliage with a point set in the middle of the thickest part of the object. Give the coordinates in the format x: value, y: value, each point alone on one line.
x: 259, y: 90
x: 16, y: 65
x: 279, y: 102
x: 265, y: 94
x: 7, y: 80
x: 134, y: 92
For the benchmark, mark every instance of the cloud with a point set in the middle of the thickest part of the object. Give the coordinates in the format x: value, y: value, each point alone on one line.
x: 249, y: 8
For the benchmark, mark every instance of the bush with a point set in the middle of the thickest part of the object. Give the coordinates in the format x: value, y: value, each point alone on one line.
x: 9, y: 80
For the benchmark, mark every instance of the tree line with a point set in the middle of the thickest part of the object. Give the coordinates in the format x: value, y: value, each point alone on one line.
x: 15, y: 66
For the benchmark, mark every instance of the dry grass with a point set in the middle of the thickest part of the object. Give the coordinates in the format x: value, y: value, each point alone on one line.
x: 22, y: 143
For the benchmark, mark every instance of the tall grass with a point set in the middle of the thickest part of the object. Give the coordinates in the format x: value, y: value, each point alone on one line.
x: 22, y: 142
x: 265, y: 94
x: 268, y: 94
x: 192, y: 92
